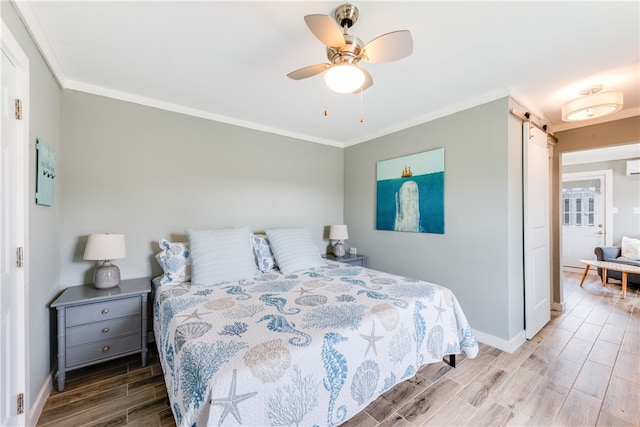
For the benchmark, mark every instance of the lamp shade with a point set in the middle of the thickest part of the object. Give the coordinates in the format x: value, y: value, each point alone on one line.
x: 591, y: 106
x: 105, y: 247
x: 338, y: 232
x: 344, y: 78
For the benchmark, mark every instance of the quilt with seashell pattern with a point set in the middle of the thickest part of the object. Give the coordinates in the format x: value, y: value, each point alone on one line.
x: 312, y: 348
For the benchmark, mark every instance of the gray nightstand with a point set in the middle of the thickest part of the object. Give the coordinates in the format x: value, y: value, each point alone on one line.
x: 348, y: 258
x: 96, y: 325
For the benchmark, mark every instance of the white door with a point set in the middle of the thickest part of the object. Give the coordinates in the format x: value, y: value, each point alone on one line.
x: 12, y: 235
x: 537, y: 262
x: 582, y: 216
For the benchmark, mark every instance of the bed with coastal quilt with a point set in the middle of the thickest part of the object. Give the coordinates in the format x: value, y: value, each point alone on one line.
x: 260, y: 330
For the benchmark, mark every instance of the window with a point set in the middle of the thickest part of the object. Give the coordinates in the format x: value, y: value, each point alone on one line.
x: 578, y: 206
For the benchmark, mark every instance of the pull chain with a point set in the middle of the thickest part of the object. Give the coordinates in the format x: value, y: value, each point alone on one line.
x: 325, y: 99
x: 325, y: 112
x: 361, y: 115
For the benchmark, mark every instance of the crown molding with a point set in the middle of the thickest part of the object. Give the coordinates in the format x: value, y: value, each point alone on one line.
x: 31, y: 23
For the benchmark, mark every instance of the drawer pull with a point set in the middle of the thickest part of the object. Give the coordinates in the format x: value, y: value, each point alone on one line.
x: 105, y: 311
x: 105, y: 330
x: 105, y: 348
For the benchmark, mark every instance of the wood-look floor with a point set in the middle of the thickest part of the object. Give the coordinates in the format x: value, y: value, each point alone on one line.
x: 582, y: 369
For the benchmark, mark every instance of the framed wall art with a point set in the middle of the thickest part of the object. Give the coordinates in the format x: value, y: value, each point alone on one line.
x: 46, y: 173
x: 410, y: 193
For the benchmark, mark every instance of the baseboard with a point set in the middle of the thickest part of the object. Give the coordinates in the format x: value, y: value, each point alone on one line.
x: 505, y: 345
x: 40, y: 401
x: 558, y: 306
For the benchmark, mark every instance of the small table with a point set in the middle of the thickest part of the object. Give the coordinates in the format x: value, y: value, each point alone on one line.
x: 615, y: 266
x: 96, y: 325
x: 348, y: 258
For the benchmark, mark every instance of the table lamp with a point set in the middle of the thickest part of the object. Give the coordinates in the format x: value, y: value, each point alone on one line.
x: 338, y: 233
x: 105, y: 247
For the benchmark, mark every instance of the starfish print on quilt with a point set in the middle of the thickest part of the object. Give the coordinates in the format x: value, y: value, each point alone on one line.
x: 230, y: 403
x: 372, y: 338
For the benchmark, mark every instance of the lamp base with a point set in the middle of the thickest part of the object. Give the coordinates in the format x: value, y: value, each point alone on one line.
x: 338, y: 249
x: 106, y: 276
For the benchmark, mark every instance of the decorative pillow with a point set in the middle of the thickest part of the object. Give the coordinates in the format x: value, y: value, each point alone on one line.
x: 293, y: 249
x: 175, y: 260
x: 221, y: 255
x: 262, y: 250
x: 630, y: 248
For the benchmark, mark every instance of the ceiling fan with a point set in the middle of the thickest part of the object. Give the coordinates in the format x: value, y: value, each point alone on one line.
x: 344, y: 50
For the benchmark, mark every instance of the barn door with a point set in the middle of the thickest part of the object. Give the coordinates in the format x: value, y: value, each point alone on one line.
x: 537, y: 259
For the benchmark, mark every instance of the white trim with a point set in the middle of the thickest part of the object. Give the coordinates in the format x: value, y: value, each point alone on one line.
x: 31, y: 23
x: 40, y: 401
x: 608, y: 198
x: 509, y: 346
x: 443, y: 112
x: 12, y: 48
x: 176, y: 108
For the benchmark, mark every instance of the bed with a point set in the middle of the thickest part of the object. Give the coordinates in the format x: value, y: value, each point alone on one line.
x: 313, y: 346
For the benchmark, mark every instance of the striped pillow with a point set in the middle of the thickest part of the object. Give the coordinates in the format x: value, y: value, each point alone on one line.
x: 221, y: 255
x: 293, y: 249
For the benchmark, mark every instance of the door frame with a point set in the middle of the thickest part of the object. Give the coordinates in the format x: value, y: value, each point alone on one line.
x: 608, y: 199
x: 12, y: 49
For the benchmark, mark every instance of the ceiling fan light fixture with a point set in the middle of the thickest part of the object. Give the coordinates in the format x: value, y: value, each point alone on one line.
x: 344, y: 78
x: 592, y: 105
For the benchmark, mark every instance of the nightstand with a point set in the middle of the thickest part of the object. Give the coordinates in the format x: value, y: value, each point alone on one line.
x: 348, y: 258
x: 96, y: 325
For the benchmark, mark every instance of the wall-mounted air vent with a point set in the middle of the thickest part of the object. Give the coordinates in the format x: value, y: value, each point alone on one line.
x: 633, y: 167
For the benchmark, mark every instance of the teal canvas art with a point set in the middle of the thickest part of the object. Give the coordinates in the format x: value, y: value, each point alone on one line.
x: 410, y: 193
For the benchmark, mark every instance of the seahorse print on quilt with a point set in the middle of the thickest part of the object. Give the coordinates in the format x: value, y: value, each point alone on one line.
x: 277, y: 323
x: 278, y: 303
x: 335, y: 367
x: 237, y: 290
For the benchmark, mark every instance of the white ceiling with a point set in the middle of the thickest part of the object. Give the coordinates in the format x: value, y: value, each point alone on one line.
x: 228, y: 61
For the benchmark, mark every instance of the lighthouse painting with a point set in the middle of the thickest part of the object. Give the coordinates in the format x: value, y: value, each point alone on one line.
x: 410, y: 193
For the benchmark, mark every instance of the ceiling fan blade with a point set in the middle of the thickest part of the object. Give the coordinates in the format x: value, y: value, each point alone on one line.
x: 368, y: 81
x: 308, y: 71
x: 325, y: 29
x: 388, y: 47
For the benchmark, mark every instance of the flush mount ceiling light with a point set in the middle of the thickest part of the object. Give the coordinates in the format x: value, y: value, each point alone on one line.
x: 592, y: 104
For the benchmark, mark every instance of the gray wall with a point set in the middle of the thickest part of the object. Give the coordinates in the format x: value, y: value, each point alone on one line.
x: 151, y: 174
x: 626, y: 196
x: 43, y: 251
x: 483, y: 213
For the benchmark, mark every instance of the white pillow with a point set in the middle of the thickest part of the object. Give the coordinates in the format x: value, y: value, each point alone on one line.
x: 293, y: 249
x: 631, y: 248
x: 221, y: 255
